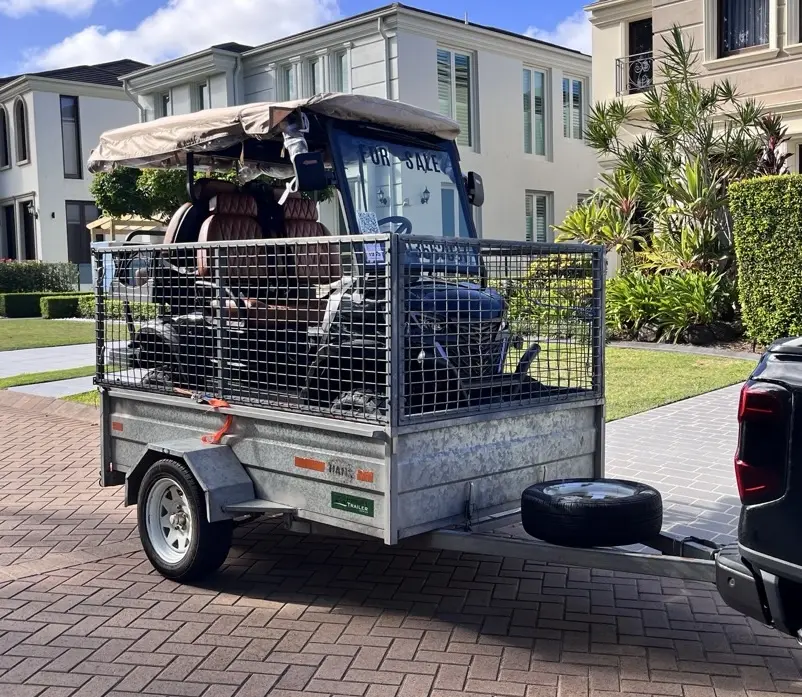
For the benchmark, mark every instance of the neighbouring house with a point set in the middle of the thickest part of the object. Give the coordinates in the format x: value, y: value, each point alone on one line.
x: 521, y: 103
x: 757, y: 44
x: 49, y: 122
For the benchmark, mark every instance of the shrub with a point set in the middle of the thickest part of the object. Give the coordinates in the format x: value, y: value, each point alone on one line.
x: 20, y: 304
x: 114, y: 309
x: 59, y: 306
x: 767, y: 221
x: 673, y: 302
x: 37, y: 277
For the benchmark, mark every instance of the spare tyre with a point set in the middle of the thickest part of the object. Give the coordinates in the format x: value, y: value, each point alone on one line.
x: 592, y: 512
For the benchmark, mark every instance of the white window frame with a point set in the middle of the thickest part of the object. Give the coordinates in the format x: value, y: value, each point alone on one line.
x: 24, y: 133
x: 793, y: 34
x: 583, y: 114
x: 549, y: 198
x: 473, y: 135
x: 159, y: 107
x: 336, y: 81
x: 712, y: 58
x: 196, y: 96
x: 5, y: 133
x: 282, y: 83
x: 318, y: 59
x: 546, y: 110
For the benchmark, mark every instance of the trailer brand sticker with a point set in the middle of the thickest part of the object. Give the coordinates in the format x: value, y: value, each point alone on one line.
x: 341, y: 470
x: 352, y: 504
x: 308, y: 463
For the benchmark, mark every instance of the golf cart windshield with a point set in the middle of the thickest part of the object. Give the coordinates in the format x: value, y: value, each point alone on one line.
x: 403, y: 187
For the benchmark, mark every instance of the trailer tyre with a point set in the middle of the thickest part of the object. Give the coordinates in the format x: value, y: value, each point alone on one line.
x: 592, y: 512
x: 171, y: 512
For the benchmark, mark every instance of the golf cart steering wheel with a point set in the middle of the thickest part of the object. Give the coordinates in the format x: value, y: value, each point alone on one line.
x: 404, y: 224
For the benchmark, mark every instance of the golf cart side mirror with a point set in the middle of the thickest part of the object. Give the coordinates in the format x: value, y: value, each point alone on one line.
x: 475, y: 189
x: 310, y: 172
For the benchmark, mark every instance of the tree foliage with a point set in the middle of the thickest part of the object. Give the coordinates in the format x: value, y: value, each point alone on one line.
x: 150, y: 193
x: 673, y: 156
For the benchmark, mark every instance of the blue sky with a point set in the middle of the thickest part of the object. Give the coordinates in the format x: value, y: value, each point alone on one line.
x: 42, y: 34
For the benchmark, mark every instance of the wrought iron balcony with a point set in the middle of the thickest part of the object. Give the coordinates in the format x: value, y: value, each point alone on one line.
x: 634, y: 73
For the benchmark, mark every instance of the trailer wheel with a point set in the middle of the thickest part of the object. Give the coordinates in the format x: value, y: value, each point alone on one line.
x: 592, y: 512
x: 171, y: 512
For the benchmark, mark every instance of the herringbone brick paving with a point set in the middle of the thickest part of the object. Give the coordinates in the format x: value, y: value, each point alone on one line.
x: 293, y: 615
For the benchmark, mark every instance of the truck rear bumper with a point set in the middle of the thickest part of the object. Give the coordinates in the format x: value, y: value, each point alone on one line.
x: 737, y: 585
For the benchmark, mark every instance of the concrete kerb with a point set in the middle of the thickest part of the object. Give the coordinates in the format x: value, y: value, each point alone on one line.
x: 49, y: 407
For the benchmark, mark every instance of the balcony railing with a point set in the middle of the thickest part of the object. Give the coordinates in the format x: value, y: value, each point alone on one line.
x: 634, y: 73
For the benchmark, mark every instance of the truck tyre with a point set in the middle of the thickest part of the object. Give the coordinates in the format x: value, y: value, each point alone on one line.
x: 171, y: 513
x: 592, y: 512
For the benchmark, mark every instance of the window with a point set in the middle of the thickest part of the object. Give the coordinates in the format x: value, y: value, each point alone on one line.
x: 200, y: 96
x: 454, y: 91
x: 581, y: 198
x: 453, y: 222
x: 21, y: 131
x: 70, y: 137
x: 537, y: 217
x: 573, y: 109
x: 534, y: 89
x: 162, y: 104
x: 314, y: 70
x: 288, y: 88
x: 340, y: 72
x: 5, y: 155
x: 742, y: 24
x: 79, y: 215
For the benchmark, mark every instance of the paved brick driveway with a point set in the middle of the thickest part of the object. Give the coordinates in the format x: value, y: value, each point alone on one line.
x: 83, y: 614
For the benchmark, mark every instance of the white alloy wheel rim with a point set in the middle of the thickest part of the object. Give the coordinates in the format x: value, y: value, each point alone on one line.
x: 168, y: 520
x: 597, y: 491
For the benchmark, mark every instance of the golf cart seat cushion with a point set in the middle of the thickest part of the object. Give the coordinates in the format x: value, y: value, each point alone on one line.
x: 316, y: 263
x: 185, y: 225
x: 273, y: 314
x: 233, y: 219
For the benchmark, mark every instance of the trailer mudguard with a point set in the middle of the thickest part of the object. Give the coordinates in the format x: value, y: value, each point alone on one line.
x: 220, y: 474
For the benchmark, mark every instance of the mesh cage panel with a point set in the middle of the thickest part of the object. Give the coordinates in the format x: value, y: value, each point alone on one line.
x: 374, y: 329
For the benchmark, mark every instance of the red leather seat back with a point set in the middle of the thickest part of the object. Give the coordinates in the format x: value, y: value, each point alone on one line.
x: 315, y: 263
x: 233, y: 219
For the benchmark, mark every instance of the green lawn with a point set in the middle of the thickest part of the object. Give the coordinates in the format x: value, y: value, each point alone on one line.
x: 36, y: 333
x: 49, y: 376
x: 638, y: 380
x: 90, y: 398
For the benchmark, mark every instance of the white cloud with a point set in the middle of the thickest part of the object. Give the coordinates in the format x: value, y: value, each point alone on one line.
x: 572, y: 32
x: 70, y: 8
x: 185, y: 26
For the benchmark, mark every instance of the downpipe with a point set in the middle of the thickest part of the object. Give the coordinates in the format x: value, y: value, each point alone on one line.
x: 142, y: 110
x: 386, y: 39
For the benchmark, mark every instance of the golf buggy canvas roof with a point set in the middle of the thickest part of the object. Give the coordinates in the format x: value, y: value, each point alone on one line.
x: 165, y: 142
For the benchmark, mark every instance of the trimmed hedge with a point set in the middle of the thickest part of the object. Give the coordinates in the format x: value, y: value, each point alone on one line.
x: 38, y: 277
x: 767, y: 221
x: 59, y: 306
x: 114, y: 309
x: 26, y: 304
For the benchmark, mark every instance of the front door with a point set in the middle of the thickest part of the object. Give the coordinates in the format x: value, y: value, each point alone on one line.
x: 9, y: 247
x: 640, y: 55
x: 28, y: 225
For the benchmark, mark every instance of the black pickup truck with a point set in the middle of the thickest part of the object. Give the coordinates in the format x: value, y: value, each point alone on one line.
x: 761, y: 576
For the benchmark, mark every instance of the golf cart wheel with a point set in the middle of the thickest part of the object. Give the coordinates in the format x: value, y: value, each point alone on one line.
x: 171, y: 512
x: 356, y: 403
x: 592, y: 512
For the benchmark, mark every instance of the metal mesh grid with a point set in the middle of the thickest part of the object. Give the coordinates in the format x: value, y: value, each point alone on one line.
x: 310, y: 325
x: 498, y: 325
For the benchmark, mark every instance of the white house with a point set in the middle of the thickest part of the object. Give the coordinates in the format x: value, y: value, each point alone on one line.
x: 522, y: 103
x: 49, y: 122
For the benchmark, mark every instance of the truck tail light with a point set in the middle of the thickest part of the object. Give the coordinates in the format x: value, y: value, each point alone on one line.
x: 764, y: 416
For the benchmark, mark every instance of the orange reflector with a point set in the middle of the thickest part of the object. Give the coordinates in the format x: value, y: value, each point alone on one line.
x: 364, y: 476
x: 116, y: 426
x: 310, y: 464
